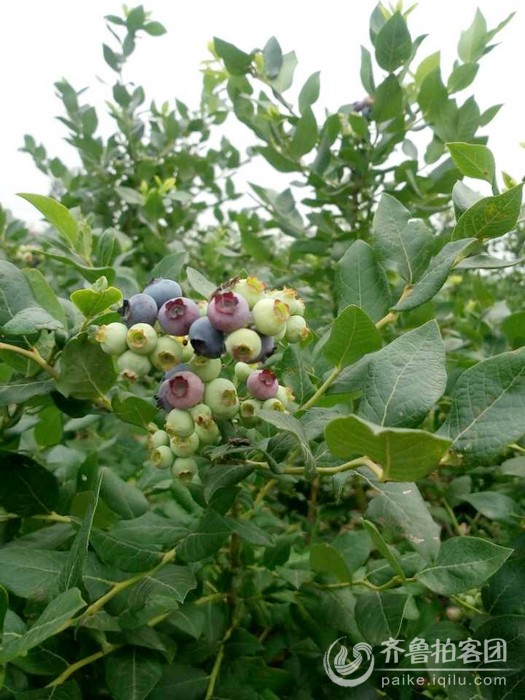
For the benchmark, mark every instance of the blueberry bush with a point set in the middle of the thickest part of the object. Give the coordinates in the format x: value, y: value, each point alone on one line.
x: 234, y: 433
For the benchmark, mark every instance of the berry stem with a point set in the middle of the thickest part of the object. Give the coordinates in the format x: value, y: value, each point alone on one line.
x: 33, y: 355
x: 322, y: 389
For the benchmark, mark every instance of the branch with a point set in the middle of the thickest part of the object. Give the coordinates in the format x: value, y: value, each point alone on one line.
x: 73, y: 668
x: 33, y: 355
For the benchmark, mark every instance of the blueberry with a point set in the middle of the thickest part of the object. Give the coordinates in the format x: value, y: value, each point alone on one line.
x: 184, y: 390
x: 221, y: 396
x: 262, y: 384
x: 205, y: 339
x: 270, y: 315
x: 162, y: 289
x: 132, y: 366
x: 268, y: 347
x: 177, y: 315
x: 229, y: 311
x: 179, y: 368
x: 296, y: 329
x: 162, y: 457
x: 141, y: 338
x: 140, y: 308
x: 244, y: 345
x: 112, y: 338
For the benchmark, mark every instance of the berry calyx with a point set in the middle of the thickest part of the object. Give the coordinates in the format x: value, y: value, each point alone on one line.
x: 177, y: 315
x: 162, y: 289
x: 244, y: 345
x: 141, y: 338
x: 290, y: 298
x: 262, y: 384
x: 112, y: 338
x: 228, y: 311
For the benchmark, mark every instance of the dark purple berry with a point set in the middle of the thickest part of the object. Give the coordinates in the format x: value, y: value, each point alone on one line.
x: 162, y: 290
x: 229, y: 311
x: 205, y: 339
x: 177, y: 315
x: 140, y: 308
x: 268, y: 347
x: 179, y: 368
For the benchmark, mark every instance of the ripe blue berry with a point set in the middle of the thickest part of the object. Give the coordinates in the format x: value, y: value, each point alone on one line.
x: 141, y: 338
x: 179, y: 423
x: 133, y: 366
x: 112, y: 338
x: 244, y: 345
x: 162, y: 289
x: 270, y: 316
x: 205, y: 339
x: 267, y: 349
x: 262, y: 384
x: 228, y: 311
x: 167, y: 353
x: 140, y: 308
x: 183, y: 390
x: 177, y: 315
x: 221, y: 396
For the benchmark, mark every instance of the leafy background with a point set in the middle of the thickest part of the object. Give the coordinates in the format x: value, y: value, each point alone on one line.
x: 389, y: 504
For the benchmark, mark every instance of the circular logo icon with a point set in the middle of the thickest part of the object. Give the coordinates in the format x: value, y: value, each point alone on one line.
x: 338, y: 668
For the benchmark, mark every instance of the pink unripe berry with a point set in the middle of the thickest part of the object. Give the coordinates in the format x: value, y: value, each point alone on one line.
x: 229, y: 311
x: 184, y: 390
x: 177, y: 315
x: 262, y: 384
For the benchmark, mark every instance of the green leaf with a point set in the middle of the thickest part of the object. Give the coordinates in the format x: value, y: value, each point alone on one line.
x: 15, y: 292
x: 393, y: 44
x: 491, y: 217
x: 133, y: 409
x: 51, y: 622
x: 91, y: 274
x: 26, y: 488
x: 151, y: 527
x: 86, y: 371
x: 155, y: 28
x: 386, y: 550
x: 30, y: 321
x: 488, y: 406
x: 462, y: 76
x: 473, y: 40
x: 510, y: 628
x: 295, y: 373
x: 67, y: 691
x: 131, y: 674
x: 162, y: 590
x: 124, y: 499
x: 400, y: 508
x: 124, y: 553
x: 361, y: 280
x: 513, y: 326
x: 4, y: 602
x: 272, y: 58
x: 285, y: 78
x: 463, y: 563
x: 473, y: 160
x: 249, y: 532
x: 305, y: 135
x: 130, y: 196
x: 57, y: 215
x: 199, y: 283
x: 181, y: 681
x: 388, y: 100
x: 405, y: 245
x: 355, y: 547
x: 31, y: 573
x: 326, y: 559
x: 289, y: 424
x: 309, y: 92
x: 405, y: 378
x: 379, y: 615
x: 222, y: 476
x: 404, y: 455
x: 206, y: 538
x: 170, y: 267
x: 504, y: 593
x: 486, y: 262
x: 435, y: 276
x: 92, y: 302
x: 237, y: 62
x: 43, y: 292
x: 352, y: 335
x: 366, y: 73
x: 492, y: 504
x: 72, y: 573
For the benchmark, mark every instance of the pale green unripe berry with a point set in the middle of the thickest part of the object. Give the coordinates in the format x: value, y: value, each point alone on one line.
x: 184, y: 468
x: 179, y: 423
x: 270, y: 316
x: 274, y: 405
x: 247, y: 411
x: 285, y: 395
x: 290, y: 298
x: 187, y: 351
x: 157, y: 439
x: 112, y: 338
x: 200, y: 412
x: 221, y: 396
x: 162, y: 457
x: 252, y: 289
x: 142, y: 338
x: 133, y: 366
x: 296, y: 329
x: 279, y: 336
x: 208, y: 431
x: 205, y: 367
x: 185, y: 446
x: 243, y: 344
x: 167, y: 353
x: 243, y: 370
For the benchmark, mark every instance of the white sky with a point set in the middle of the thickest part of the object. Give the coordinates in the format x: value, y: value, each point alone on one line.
x: 43, y: 41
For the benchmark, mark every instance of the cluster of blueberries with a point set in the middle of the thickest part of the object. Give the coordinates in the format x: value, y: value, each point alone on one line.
x: 187, y: 341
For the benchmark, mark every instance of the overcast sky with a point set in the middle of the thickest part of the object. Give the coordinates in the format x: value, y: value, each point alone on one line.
x: 43, y: 41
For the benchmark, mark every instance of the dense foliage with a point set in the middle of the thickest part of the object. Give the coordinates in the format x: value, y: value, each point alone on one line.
x: 385, y: 500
